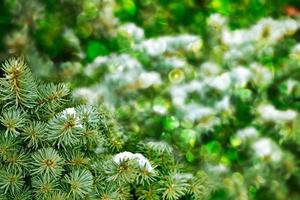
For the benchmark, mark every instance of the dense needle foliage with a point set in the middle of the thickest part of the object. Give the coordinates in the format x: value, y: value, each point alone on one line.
x: 49, y: 150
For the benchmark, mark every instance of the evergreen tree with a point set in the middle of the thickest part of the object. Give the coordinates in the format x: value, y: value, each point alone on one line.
x: 51, y: 150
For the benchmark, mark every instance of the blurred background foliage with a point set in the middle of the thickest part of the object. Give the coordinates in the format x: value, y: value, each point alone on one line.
x: 47, y: 21
x: 67, y: 41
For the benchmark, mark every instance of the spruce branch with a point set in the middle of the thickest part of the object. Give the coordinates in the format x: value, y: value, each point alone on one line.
x: 44, y: 187
x: 174, y: 187
x: 65, y: 129
x: 145, y: 177
x: 148, y: 193
x: 107, y: 195
x: 11, y: 181
x: 199, y: 186
x: 51, y: 98
x: 88, y: 116
x: 91, y: 137
x: 123, y: 192
x: 159, y: 147
x: 159, y: 152
x: 17, y: 160
x: 47, y: 162
x: 80, y: 183
x: 75, y: 159
x: 34, y: 134
x: 8, y: 145
x: 110, y: 129
x: 58, y: 195
x: 124, y: 171
x: 18, y: 85
x: 13, y: 120
x: 23, y: 194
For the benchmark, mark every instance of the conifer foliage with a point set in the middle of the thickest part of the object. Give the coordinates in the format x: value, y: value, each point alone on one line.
x: 51, y: 150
